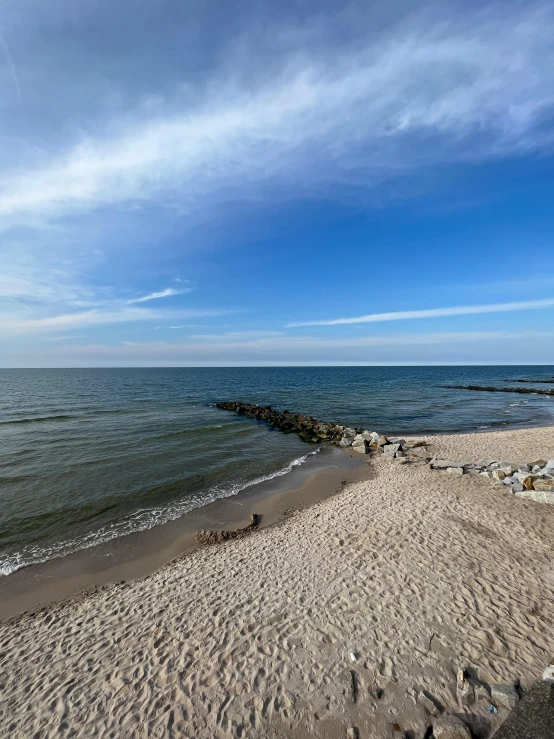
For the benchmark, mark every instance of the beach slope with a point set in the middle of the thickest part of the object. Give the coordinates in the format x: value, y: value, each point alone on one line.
x: 333, y: 621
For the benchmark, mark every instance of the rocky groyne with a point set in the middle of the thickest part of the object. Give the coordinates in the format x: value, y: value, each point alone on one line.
x: 534, y: 480
x: 311, y: 429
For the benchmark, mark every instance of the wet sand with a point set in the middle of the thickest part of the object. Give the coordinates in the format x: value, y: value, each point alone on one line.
x: 336, y: 618
x: 140, y: 554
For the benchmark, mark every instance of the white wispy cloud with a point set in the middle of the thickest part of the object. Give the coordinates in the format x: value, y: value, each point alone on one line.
x: 481, y: 84
x: 460, y: 310
x: 168, y: 292
x: 19, y: 323
x: 237, y: 335
x: 183, y: 325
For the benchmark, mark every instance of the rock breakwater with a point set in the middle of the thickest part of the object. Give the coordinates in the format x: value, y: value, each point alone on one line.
x: 311, y: 429
x: 533, y: 480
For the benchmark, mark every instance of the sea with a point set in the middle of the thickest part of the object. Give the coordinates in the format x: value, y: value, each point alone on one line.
x: 90, y: 455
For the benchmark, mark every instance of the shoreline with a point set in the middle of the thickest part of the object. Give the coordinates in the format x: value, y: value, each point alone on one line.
x: 140, y: 554
x: 137, y: 555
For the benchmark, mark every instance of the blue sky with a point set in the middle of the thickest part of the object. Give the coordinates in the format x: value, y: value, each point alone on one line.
x: 204, y: 183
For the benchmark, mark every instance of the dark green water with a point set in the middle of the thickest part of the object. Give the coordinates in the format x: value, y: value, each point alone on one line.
x: 90, y: 455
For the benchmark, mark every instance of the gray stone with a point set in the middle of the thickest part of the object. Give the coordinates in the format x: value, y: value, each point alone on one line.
x: 498, y: 475
x: 360, y: 445
x: 455, y: 470
x: 504, y: 695
x: 486, y: 474
x: 396, y: 440
x: 533, y: 717
x: 443, y: 464
x: 391, y: 449
x: 345, y: 441
x: 485, y: 462
x: 450, y: 727
x: 550, y: 464
x: 368, y: 436
x: 517, y: 487
x: 539, y: 496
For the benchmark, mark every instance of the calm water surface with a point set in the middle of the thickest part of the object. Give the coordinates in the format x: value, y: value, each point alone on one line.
x: 87, y: 455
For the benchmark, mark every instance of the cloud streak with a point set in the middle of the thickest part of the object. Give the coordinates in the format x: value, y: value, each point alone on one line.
x: 408, y: 315
x: 483, y: 82
x: 167, y: 293
x: 15, y: 324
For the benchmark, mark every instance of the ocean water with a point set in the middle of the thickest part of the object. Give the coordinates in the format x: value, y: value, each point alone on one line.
x: 88, y: 455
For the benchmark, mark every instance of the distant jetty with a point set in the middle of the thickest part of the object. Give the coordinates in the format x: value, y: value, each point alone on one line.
x: 525, y: 390
x: 544, y: 382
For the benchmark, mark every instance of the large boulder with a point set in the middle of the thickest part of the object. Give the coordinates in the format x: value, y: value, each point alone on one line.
x: 368, y: 436
x: 360, y: 445
x: 533, y: 717
x: 545, y: 486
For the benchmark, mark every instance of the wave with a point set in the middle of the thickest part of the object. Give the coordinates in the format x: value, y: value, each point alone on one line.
x: 205, y: 431
x: 140, y: 521
x: 81, y: 416
x: 38, y: 419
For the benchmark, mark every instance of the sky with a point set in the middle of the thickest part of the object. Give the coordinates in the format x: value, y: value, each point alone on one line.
x: 276, y: 183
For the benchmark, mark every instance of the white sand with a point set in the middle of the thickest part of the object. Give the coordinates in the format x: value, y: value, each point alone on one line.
x: 415, y: 572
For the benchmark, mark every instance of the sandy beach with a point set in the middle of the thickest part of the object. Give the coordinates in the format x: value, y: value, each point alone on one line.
x: 331, y: 621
